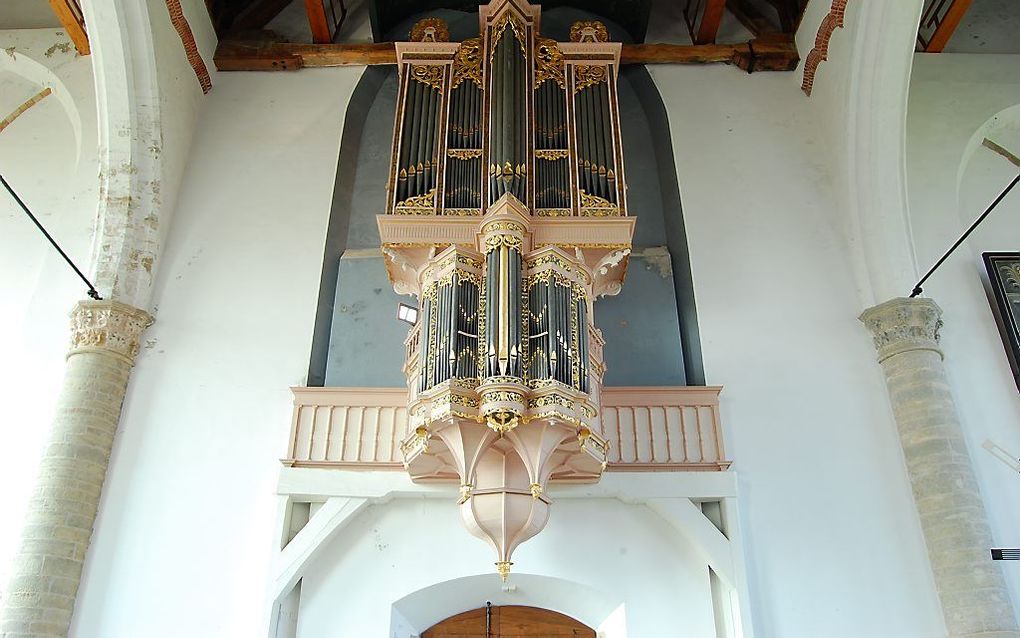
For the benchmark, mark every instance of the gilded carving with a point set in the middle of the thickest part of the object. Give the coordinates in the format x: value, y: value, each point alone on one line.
x: 430, y: 30
x: 588, y: 31
x: 418, y: 205
x: 497, y: 226
x: 428, y: 74
x: 600, y: 206
x: 586, y: 75
x: 549, y: 64
x: 464, y: 153
x: 467, y: 63
x: 493, y: 242
x: 508, y: 18
x: 551, y: 154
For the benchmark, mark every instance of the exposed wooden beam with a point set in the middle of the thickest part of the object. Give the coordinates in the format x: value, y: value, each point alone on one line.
x: 775, y: 53
x: 70, y: 16
x: 317, y: 21
x: 951, y: 20
x: 711, y: 18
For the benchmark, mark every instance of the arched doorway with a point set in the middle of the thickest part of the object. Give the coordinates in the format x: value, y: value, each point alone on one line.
x: 511, y: 621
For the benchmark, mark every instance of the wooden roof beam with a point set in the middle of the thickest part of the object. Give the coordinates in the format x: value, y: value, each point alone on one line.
x: 70, y: 16
x: 774, y: 53
x: 947, y: 25
x: 708, y: 27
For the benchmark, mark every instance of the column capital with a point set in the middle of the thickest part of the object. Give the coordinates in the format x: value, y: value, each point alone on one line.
x: 109, y: 327
x: 902, y: 325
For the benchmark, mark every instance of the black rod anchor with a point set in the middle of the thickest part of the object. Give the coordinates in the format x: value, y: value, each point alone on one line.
x: 92, y: 292
x: 917, y: 287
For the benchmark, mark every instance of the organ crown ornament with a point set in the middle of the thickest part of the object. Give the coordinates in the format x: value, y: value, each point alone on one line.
x: 506, y: 217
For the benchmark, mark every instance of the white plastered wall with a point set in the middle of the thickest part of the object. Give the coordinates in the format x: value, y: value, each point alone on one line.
x: 49, y: 157
x: 956, y: 100
x: 619, y: 553
x: 183, y: 542
x: 832, y: 539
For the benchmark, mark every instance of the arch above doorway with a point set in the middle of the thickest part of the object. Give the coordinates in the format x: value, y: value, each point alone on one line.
x: 511, y: 621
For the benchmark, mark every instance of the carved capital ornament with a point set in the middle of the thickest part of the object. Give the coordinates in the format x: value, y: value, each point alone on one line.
x: 109, y: 327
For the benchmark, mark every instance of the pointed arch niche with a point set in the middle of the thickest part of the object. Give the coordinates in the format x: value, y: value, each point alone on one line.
x: 651, y: 328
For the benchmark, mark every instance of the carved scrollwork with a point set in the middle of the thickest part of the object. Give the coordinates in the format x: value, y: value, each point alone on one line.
x: 551, y: 154
x: 419, y: 204
x: 464, y: 153
x: 430, y: 30
x: 600, y: 207
x: 549, y: 63
x: 588, y: 31
x: 428, y: 74
x: 492, y: 242
x: 467, y: 63
x: 508, y: 18
x: 586, y: 75
x: 552, y: 212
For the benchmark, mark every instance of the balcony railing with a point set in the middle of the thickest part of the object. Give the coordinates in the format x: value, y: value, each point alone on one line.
x: 649, y: 429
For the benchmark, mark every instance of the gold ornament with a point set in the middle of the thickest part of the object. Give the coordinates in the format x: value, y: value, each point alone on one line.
x: 588, y: 31
x: 586, y: 75
x: 428, y: 74
x: 464, y: 153
x: 507, y: 18
x: 551, y: 154
x: 549, y: 63
x: 418, y: 205
x: 503, y: 567
x: 430, y: 30
x: 467, y: 63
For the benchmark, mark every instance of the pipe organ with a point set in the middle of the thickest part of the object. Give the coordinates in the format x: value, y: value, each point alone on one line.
x: 506, y: 217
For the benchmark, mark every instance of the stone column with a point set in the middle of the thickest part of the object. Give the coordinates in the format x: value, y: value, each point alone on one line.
x: 62, y: 510
x: 971, y: 588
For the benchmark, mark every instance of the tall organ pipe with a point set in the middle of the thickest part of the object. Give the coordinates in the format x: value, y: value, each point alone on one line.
x: 405, y: 136
x: 413, y: 113
x: 599, y: 167
x: 607, y: 123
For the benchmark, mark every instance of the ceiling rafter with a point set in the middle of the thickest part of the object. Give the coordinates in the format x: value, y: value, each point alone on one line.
x: 703, y: 18
x: 939, y: 21
x: 771, y: 54
x: 70, y: 16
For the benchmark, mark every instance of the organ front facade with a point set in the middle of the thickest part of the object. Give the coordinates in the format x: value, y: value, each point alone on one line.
x: 506, y: 218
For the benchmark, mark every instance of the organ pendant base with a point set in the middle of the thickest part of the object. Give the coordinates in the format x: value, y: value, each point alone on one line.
x: 504, y: 428
x: 507, y: 220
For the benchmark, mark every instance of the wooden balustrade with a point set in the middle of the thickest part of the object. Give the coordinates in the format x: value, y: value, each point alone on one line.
x: 649, y: 429
x: 663, y: 428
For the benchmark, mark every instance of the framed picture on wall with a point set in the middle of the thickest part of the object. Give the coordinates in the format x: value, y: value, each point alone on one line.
x: 1004, y: 276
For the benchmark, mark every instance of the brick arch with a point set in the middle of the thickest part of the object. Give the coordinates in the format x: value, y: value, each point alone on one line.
x: 512, y: 621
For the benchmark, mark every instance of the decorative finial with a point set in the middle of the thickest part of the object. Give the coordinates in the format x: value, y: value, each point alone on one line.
x: 589, y: 31
x: 536, y: 490
x: 430, y: 30
x: 503, y: 567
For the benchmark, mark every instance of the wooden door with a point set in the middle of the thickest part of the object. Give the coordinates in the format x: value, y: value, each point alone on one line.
x: 510, y: 622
